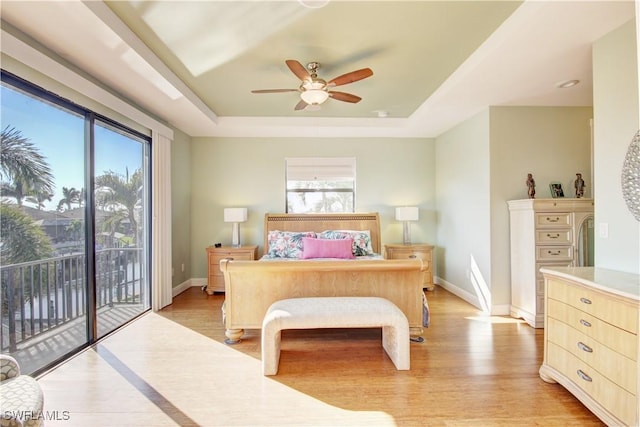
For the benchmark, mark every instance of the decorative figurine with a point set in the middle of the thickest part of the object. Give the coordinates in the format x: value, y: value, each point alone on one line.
x: 531, y: 185
x: 579, y: 185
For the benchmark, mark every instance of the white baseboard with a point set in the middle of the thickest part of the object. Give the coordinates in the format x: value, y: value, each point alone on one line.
x: 187, y: 284
x: 496, y: 310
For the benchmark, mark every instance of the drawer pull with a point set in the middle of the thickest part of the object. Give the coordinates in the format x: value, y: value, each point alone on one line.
x: 585, y: 323
x: 585, y: 300
x: 556, y: 219
x: 584, y: 376
x: 553, y: 236
x: 582, y: 346
x: 412, y: 256
x: 554, y: 253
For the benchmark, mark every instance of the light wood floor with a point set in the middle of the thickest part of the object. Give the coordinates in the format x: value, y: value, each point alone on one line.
x: 172, y: 369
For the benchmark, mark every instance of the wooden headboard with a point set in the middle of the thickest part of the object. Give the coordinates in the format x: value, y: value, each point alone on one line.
x: 321, y: 222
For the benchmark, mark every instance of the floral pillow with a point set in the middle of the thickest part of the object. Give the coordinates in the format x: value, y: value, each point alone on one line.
x: 361, y: 239
x: 286, y: 244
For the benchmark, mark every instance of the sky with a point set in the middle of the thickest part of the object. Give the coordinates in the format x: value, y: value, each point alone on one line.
x: 59, y: 136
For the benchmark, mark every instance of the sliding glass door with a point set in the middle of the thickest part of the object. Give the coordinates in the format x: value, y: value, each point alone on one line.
x: 74, y: 225
x: 121, y: 233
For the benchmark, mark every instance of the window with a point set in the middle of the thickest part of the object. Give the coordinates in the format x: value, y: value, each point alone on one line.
x: 320, y: 184
x: 74, y: 225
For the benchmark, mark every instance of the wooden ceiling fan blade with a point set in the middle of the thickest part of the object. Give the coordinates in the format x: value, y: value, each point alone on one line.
x: 346, y: 97
x: 274, y: 90
x: 298, y: 69
x: 351, y: 77
x: 300, y: 105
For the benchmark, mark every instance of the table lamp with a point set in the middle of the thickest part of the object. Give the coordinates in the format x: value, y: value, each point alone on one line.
x: 406, y: 214
x: 236, y: 216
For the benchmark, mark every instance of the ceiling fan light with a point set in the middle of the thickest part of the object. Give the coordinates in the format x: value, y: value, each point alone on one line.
x: 314, y: 96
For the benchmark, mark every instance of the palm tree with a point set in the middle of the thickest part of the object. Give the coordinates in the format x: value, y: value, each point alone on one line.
x: 40, y: 198
x: 17, y: 190
x: 20, y: 160
x: 69, y: 195
x: 121, y: 195
x: 22, y: 239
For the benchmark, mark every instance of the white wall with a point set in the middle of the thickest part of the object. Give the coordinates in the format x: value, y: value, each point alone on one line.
x: 552, y: 143
x: 616, y: 120
x: 249, y: 172
x: 480, y: 165
x: 462, y: 197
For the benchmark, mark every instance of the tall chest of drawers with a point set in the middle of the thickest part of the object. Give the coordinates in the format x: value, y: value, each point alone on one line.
x: 591, y: 339
x: 543, y: 233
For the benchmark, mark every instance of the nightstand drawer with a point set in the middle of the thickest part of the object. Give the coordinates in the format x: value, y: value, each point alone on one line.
x: 411, y: 251
x: 215, y: 279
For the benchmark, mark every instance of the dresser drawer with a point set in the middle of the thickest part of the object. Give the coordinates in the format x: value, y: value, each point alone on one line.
x: 612, y: 397
x: 554, y: 237
x: 553, y: 219
x: 617, y: 339
x: 554, y: 253
x: 606, y: 308
x: 614, y: 366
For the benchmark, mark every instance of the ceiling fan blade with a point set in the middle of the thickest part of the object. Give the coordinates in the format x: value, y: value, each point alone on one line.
x: 298, y: 69
x: 346, y: 97
x: 300, y: 105
x: 351, y: 77
x: 274, y: 90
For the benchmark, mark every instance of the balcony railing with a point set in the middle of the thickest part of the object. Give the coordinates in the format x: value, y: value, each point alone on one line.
x: 40, y: 296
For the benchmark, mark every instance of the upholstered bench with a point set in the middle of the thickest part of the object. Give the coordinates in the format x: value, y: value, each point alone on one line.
x: 335, y: 312
x: 21, y: 398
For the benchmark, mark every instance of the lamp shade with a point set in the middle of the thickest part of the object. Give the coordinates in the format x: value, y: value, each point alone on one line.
x: 407, y: 213
x: 235, y: 214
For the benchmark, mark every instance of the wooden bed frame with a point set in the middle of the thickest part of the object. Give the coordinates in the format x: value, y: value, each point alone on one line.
x: 252, y: 286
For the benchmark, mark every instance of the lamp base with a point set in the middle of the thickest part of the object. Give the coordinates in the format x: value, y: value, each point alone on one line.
x: 406, y: 233
x: 235, y: 235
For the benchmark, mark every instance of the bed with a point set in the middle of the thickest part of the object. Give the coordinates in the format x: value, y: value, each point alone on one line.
x: 252, y: 286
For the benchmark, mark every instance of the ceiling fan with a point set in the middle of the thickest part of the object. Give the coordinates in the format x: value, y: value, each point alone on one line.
x: 313, y: 90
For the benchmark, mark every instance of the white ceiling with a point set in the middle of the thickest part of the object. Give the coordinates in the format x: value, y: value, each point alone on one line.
x: 435, y: 63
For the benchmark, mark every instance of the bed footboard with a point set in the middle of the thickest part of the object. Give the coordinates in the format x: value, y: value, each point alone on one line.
x: 252, y: 286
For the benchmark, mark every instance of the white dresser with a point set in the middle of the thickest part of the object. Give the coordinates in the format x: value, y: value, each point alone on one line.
x: 544, y: 233
x: 591, y: 339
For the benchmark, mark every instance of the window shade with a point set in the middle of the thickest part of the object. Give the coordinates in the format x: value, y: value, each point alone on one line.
x: 321, y: 169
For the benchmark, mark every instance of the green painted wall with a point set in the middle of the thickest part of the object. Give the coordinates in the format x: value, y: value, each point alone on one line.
x: 617, y: 119
x: 249, y: 172
x: 481, y: 164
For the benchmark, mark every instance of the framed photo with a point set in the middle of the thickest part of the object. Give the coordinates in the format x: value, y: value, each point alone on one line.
x: 556, y: 190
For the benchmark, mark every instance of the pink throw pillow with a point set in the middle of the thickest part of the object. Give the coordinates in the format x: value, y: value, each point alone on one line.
x: 326, y: 248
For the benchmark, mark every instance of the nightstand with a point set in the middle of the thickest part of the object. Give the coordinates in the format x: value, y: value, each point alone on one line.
x: 215, y: 279
x: 414, y: 250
